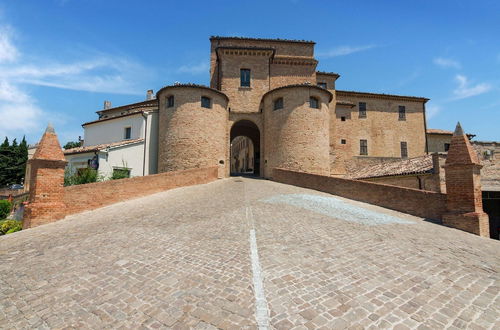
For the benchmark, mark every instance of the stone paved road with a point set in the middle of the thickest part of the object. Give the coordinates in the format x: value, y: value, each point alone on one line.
x: 201, y: 257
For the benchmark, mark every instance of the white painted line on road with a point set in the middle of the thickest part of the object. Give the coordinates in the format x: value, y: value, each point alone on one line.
x: 261, y: 309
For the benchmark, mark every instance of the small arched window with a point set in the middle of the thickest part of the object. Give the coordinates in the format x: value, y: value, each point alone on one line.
x: 313, y: 102
x: 206, y: 102
x: 278, y: 103
x: 170, y: 101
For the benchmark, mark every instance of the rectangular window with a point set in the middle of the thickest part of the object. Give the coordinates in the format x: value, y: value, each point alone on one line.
x: 313, y: 102
x: 363, y: 147
x: 245, y: 77
x: 362, y: 110
x: 342, y: 118
x: 128, y: 133
x: 404, y: 150
x: 322, y: 85
x: 343, y: 141
x: 206, y: 102
x: 170, y: 101
x: 402, y: 112
x: 278, y: 103
x: 446, y: 146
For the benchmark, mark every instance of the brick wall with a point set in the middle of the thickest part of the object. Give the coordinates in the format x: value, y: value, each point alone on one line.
x: 420, y: 203
x: 90, y: 196
x: 382, y: 128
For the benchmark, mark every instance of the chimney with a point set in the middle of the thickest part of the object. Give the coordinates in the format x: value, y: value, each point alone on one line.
x: 149, y: 95
x: 107, y: 104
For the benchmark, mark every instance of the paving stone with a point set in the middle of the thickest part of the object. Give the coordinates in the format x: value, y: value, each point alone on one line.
x: 181, y: 259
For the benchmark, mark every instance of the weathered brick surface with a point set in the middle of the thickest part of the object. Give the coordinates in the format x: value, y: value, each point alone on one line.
x: 382, y: 128
x: 427, y: 204
x: 46, y: 203
x: 297, y: 136
x: 191, y: 136
x: 463, y: 187
x: 90, y: 196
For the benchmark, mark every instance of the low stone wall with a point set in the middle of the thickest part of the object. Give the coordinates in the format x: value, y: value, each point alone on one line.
x: 426, y: 204
x: 90, y: 196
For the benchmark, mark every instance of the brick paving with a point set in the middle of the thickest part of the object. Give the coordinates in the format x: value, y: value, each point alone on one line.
x: 181, y: 259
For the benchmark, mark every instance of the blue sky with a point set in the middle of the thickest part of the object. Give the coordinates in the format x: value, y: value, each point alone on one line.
x: 60, y: 59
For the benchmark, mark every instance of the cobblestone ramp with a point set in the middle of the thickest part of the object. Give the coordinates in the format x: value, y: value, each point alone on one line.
x: 186, y: 258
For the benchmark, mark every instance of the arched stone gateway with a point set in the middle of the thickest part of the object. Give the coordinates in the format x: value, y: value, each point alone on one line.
x: 247, y: 128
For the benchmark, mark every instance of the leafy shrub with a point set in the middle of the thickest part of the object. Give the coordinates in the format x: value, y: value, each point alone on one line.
x: 10, y: 226
x: 120, y: 174
x: 5, y: 207
x: 86, y: 175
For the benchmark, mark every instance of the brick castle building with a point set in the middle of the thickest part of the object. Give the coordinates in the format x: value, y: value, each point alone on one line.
x: 270, y: 91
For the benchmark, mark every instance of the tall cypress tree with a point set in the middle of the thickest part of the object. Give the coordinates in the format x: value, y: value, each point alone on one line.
x: 13, y: 160
x: 5, y: 159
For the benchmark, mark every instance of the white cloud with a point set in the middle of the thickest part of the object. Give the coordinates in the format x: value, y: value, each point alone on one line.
x: 199, y: 68
x: 344, y: 50
x: 464, y: 90
x: 98, y: 72
x: 18, y: 111
x: 447, y: 63
x: 432, y: 110
x: 8, y: 53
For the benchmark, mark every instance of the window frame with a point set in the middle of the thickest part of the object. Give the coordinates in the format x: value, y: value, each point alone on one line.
x: 363, y: 147
x: 402, y: 114
x: 447, y: 147
x: 343, y: 141
x: 343, y: 118
x: 278, y: 103
x: 245, y: 73
x: 404, y: 149
x: 170, y: 101
x: 129, y: 130
x: 314, y: 99
x: 361, y: 110
x: 206, y: 98
x: 322, y: 84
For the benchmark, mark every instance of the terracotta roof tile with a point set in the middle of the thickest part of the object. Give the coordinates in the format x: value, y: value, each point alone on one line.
x: 417, y: 165
x: 98, y: 147
x: 438, y: 131
x: 262, y: 39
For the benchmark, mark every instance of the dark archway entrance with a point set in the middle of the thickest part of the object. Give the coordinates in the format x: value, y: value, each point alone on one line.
x: 245, y: 128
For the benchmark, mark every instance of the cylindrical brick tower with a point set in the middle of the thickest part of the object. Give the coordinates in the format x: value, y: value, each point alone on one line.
x: 296, y: 125
x: 192, y: 127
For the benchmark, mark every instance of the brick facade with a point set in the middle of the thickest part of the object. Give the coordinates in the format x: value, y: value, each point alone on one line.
x: 90, y: 196
x: 463, y: 187
x: 46, y: 199
x: 426, y: 204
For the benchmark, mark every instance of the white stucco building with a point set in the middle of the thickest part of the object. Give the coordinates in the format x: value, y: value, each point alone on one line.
x: 123, y: 139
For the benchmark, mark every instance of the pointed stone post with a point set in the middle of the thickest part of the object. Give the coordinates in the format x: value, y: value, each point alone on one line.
x: 463, y: 187
x: 46, y: 198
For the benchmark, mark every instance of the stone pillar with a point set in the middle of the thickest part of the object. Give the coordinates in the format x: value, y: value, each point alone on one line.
x: 46, y: 198
x: 463, y: 187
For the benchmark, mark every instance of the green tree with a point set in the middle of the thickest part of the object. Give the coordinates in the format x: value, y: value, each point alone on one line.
x: 13, y: 160
x: 72, y: 144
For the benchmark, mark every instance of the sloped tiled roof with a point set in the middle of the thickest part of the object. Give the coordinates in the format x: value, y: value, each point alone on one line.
x: 381, y: 95
x: 138, y: 105
x: 417, y: 165
x: 438, y: 131
x: 98, y: 147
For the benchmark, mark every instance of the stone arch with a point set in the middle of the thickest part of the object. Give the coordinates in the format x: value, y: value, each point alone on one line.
x: 249, y: 129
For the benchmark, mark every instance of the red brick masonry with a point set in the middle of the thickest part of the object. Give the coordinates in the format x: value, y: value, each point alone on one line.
x: 426, y: 204
x: 90, y: 196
